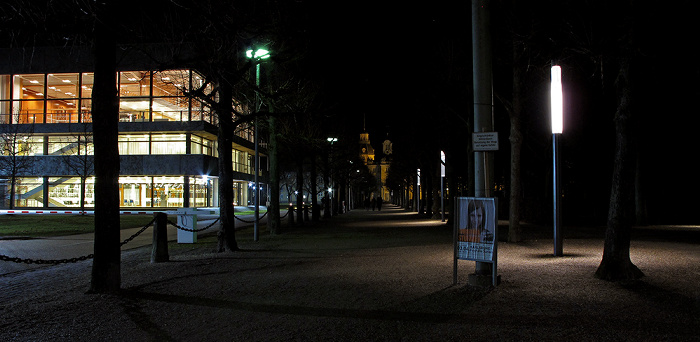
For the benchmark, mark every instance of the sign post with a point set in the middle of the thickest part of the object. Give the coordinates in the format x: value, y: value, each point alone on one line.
x: 475, y: 235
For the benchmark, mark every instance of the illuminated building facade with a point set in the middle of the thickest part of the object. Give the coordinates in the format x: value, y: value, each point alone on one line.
x: 167, y: 141
x: 378, y: 168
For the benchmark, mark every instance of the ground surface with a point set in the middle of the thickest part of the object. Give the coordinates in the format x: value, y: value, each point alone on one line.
x: 365, y: 276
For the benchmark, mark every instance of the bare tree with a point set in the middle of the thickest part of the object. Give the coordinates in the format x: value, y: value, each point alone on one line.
x: 607, y: 38
x: 14, y: 153
x: 78, y: 157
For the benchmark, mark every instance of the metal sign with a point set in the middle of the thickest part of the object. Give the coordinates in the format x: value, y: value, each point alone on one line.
x: 485, y: 141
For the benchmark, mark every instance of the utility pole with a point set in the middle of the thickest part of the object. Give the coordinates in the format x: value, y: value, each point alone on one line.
x: 483, y: 112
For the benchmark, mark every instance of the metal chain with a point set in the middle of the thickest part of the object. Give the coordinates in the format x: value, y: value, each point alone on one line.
x: 244, y: 221
x: 194, y: 230
x: 70, y: 260
x: 137, y: 233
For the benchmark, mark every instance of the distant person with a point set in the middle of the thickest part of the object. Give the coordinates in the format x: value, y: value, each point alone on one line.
x: 366, y: 203
x: 374, y: 203
x: 379, y: 203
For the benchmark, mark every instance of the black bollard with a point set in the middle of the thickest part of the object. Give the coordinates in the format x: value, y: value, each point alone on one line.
x: 291, y: 216
x: 159, y: 253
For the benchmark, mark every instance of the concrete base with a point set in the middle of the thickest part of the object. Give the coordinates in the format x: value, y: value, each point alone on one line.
x: 481, y: 280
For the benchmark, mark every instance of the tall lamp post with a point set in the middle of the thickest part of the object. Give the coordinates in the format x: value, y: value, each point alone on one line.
x: 442, y: 184
x: 257, y: 56
x: 330, y: 189
x: 557, y: 128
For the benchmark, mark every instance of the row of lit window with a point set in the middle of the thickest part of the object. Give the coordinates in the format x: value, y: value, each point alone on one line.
x: 142, y: 191
x: 166, y: 83
x: 66, y: 98
x: 129, y: 144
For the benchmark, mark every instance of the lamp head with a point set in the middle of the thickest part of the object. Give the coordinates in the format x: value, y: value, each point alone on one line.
x: 557, y: 101
x: 258, y: 54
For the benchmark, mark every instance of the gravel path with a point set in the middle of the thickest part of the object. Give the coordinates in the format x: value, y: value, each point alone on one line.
x: 366, y: 276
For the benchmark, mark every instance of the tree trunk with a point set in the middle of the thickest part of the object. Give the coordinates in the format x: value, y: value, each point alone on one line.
x: 13, y: 186
x: 273, y: 220
x: 300, y: 188
x: 616, y: 263
x: 516, y: 142
x: 82, y: 194
x: 314, y: 190
x: 106, y: 268
x: 227, y: 232
x: 327, y: 205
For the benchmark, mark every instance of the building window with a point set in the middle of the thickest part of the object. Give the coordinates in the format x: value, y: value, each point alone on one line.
x: 130, y: 144
x: 65, y: 192
x: 200, y: 145
x: 168, y: 144
x: 22, y: 145
x: 29, y: 192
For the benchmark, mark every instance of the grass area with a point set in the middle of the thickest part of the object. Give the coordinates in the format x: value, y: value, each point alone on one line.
x: 56, y: 225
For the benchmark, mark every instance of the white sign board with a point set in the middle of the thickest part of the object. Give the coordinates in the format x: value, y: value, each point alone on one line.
x: 442, y: 164
x: 485, y: 141
x: 475, y: 231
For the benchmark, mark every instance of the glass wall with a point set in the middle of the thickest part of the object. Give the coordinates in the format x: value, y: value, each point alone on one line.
x: 16, y: 144
x: 66, y: 97
x: 29, y: 192
x: 65, y: 192
x: 134, y: 191
x: 200, y: 192
x: 70, y: 145
x: 168, y: 144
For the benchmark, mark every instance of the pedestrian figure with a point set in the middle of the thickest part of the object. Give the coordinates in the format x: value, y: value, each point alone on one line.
x: 366, y: 203
x: 374, y: 203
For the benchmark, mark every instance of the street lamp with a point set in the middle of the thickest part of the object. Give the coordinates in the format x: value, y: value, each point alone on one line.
x: 418, y: 208
x: 557, y: 128
x: 330, y: 189
x: 257, y: 56
x: 442, y: 184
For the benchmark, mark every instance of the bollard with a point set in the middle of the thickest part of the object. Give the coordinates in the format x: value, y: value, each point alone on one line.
x: 160, y: 238
x: 306, y: 213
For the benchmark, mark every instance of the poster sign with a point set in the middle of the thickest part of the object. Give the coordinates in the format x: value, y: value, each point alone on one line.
x: 476, y: 228
x: 476, y: 233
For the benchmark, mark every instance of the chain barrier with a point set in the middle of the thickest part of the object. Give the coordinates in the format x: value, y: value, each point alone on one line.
x: 194, y: 230
x: 70, y: 260
x: 127, y: 240
x: 244, y: 221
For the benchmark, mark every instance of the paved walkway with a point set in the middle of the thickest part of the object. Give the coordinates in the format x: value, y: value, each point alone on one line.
x: 73, y: 246
x: 366, y: 276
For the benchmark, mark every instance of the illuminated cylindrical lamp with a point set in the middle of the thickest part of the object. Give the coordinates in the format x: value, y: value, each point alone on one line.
x: 557, y: 128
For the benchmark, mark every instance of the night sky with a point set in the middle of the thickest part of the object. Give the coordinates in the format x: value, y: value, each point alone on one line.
x: 384, y: 64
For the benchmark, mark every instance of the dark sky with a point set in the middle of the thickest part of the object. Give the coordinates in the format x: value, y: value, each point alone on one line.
x: 377, y: 57
x: 383, y: 58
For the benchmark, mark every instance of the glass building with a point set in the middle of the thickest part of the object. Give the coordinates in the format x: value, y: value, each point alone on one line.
x: 167, y: 141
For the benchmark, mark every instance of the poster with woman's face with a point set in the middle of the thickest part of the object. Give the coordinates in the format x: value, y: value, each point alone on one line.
x: 476, y: 227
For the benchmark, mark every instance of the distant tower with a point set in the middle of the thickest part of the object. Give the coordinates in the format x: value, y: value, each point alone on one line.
x: 378, y: 168
x: 366, y: 150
